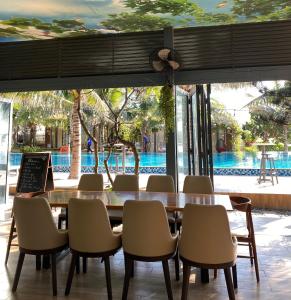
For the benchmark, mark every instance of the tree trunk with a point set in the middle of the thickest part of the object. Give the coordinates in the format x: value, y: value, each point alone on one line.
x: 285, y: 129
x: 95, y: 142
x: 106, y: 164
x: 76, y: 138
x: 135, y: 153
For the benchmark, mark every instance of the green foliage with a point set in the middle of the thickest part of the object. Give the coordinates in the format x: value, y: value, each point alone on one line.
x: 173, y: 7
x: 21, y: 26
x: 40, y: 108
x: 129, y: 133
x: 248, y: 137
x: 220, y: 118
x: 251, y: 149
x: 25, y: 149
x: 167, y: 107
x: 277, y: 147
x: 237, y: 144
x: 130, y: 22
x: 256, y: 8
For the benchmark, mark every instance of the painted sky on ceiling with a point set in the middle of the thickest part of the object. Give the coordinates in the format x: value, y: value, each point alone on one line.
x: 32, y: 19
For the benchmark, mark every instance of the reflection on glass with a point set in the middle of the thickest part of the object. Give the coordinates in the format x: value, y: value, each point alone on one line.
x: 5, y: 113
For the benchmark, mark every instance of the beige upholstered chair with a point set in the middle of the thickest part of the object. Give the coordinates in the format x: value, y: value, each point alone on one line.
x: 163, y: 184
x: 146, y: 237
x: 122, y: 183
x: 91, y: 182
x: 88, y: 182
x: 90, y: 235
x: 197, y: 185
x: 206, y: 242
x: 125, y: 183
x: 37, y: 234
x: 160, y: 183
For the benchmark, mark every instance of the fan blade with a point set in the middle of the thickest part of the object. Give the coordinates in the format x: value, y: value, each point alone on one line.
x: 174, y: 65
x: 158, y: 65
x: 164, y: 53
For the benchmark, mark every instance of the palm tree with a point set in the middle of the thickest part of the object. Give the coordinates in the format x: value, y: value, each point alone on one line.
x: 94, y: 112
x: 274, y: 107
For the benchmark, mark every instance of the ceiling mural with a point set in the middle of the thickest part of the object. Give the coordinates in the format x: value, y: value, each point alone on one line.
x: 31, y: 19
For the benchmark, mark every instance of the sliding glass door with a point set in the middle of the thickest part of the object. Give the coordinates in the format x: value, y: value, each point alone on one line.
x: 193, y: 132
x: 5, y: 123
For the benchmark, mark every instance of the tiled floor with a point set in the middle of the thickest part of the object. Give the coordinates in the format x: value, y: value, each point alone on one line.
x: 273, y: 233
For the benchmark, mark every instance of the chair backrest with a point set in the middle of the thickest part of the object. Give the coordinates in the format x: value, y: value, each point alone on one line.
x: 206, y: 236
x: 197, y: 185
x: 89, y: 226
x: 91, y: 182
x: 160, y: 183
x: 241, y: 203
x: 125, y: 183
x: 145, y: 229
x: 35, y: 225
x: 244, y: 204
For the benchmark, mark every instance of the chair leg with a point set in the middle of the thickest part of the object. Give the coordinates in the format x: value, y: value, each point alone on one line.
x: 173, y: 227
x: 132, y: 268
x: 186, y: 277
x: 54, y: 273
x: 38, y: 262
x: 18, y: 271
x: 229, y: 283
x: 78, y: 264
x: 167, y: 279
x: 251, y: 253
x: 108, y: 277
x: 12, y: 230
x: 84, y: 264
x: 71, y: 274
x: 60, y: 223
x: 177, y: 266
x: 234, y: 276
x: 128, y: 270
x: 256, y: 261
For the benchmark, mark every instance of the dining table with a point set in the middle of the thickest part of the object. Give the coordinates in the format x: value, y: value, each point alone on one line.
x: 115, y: 200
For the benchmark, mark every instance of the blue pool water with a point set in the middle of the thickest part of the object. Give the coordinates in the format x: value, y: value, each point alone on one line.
x: 243, y: 160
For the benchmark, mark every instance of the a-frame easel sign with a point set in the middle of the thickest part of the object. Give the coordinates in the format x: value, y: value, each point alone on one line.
x: 36, y: 174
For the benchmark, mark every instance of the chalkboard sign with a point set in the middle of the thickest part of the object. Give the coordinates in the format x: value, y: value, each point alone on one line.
x: 35, y: 173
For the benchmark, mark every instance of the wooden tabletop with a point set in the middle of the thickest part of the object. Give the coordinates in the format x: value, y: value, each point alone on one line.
x: 115, y: 200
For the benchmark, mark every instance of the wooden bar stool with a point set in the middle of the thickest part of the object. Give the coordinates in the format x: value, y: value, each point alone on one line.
x: 264, y: 171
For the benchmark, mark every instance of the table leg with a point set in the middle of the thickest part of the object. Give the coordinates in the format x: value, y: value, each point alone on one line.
x: 46, y: 262
x: 204, y: 273
x: 67, y: 218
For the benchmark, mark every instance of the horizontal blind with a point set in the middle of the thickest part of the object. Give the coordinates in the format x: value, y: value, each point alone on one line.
x: 200, y: 48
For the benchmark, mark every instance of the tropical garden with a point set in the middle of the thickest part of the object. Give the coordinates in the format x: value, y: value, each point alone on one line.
x: 110, y: 116
x: 124, y: 115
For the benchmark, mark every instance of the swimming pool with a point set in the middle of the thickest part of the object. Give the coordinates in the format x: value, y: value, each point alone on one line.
x: 228, y: 160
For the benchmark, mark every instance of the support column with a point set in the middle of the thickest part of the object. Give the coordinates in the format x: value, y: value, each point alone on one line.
x: 171, y: 153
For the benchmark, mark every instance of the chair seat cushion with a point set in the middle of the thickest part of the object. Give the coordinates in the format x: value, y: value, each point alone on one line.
x: 117, y: 229
x: 239, y: 232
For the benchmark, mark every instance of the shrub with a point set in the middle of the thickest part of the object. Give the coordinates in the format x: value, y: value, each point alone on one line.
x: 30, y: 149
